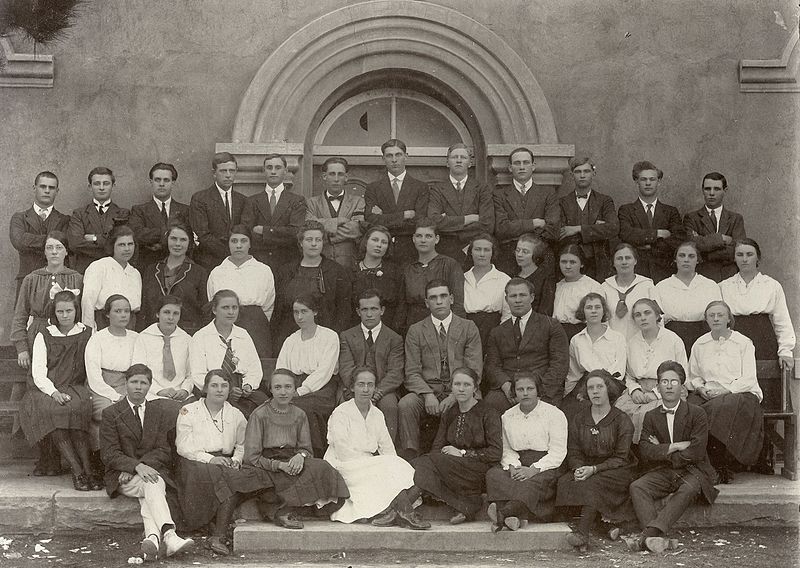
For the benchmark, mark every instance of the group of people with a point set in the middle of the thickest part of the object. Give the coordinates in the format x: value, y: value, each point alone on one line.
x: 449, y: 341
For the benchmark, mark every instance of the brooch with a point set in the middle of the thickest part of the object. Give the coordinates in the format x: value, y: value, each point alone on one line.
x: 595, y: 432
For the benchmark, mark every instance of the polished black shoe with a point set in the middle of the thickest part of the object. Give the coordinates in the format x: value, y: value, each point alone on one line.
x: 96, y: 483
x: 80, y: 483
x: 412, y: 520
x: 386, y: 519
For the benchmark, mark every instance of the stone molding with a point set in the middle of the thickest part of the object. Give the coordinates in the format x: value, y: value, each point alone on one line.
x: 772, y: 75
x: 25, y: 69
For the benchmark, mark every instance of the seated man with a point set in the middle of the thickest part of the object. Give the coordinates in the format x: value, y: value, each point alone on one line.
x: 527, y: 341
x: 371, y: 344
x: 673, y: 446
x: 138, y: 457
x: 435, y: 345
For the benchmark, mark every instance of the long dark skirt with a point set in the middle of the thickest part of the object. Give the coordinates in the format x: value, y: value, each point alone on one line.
x: 40, y: 414
x: 486, y: 322
x: 319, y: 480
x: 688, y: 331
x: 758, y: 328
x: 572, y: 329
x: 737, y: 421
x: 318, y: 407
x: 458, y: 481
x: 204, y: 486
x: 537, y: 493
x: 605, y: 491
x: 254, y: 320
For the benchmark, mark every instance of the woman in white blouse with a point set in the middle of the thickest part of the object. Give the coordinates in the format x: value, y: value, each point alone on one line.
x: 210, y: 441
x: 484, y: 287
x: 253, y: 283
x: 572, y: 288
x: 108, y: 355
x: 164, y: 348
x: 223, y: 345
x: 683, y: 297
x: 112, y: 274
x: 312, y: 353
x: 646, y: 351
x: 722, y: 378
x: 624, y: 288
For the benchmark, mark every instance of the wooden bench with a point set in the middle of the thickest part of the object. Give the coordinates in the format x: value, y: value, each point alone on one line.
x: 776, y: 386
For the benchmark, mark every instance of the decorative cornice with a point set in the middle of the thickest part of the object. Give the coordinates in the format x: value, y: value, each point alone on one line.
x: 25, y: 69
x: 772, y: 75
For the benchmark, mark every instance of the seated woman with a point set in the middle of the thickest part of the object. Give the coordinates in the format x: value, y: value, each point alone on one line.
x: 108, y: 355
x: 599, y: 457
x: 722, y: 378
x: 623, y: 289
x: 531, y: 255
x: 312, y: 354
x: 253, y: 283
x: 164, y: 348
x: 176, y: 275
x: 484, y: 287
x: 534, y: 448
x: 113, y: 274
x: 572, y: 288
x: 646, y: 350
x: 467, y: 444
x: 210, y: 442
x: 684, y: 296
x: 361, y: 450
x: 61, y: 406
x: 278, y: 441
x: 597, y: 346
x: 374, y: 272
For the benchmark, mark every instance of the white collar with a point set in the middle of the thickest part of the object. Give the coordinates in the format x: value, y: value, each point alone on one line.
x: 105, y: 205
x: 645, y: 204
x: 524, y: 187
x: 446, y: 322
x: 588, y: 194
x: 717, y: 211
x: 523, y: 320
x: 141, y: 406
x: 399, y: 178
x: 329, y: 196
x: 463, y: 182
x: 167, y: 202
x: 222, y: 191
x: 375, y: 330
x: 278, y: 190
x: 39, y: 210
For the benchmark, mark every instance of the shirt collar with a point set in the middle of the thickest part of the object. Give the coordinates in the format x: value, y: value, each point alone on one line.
x: 675, y: 408
x: 106, y: 205
x: 222, y: 191
x: 375, y: 330
x: 329, y: 196
x: 644, y: 205
x: 40, y: 210
x: 446, y: 321
x: 717, y: 211
x: 463, y: 182
x: 588, y: 194
x: 523, y: 320
x: 399, y: 178
x: 278, y: 190
x: 523, y: 187
x: 141, y: 406
x: 167, y: 202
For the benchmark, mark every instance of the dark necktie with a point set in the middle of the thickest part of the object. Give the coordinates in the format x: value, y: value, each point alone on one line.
x: 370, y: 342
x: 43, y: 217
x: 101, y: 209
x: 273, y: 202
x: 396, y: 189
x: 712, y: 214
x: 458, y: 186
x: 517, y: 331
x: 622, y: 307
x: 227, y: 362
x: 444, y: 376
x: 164, y: 213
x: 650, y: 213
x: 167, y: 360
x: 227, y: 206
x: 136, y: 408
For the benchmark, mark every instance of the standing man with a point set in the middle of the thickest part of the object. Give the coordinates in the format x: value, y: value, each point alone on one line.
x: 462, y: 207
x: 150, y: 220
x: 274, y: 216
x: 435, y: 347
x: 29, y: 228
x: 653, y: 227
x: 524, y: 207
x: 396, y: 200
x: 527, y: 342
x: 371, y: 344
x: 213, y: 211
x: 340, y: 212
x: 589, y: 219
x: 90, y: 226
x: 715, y: 230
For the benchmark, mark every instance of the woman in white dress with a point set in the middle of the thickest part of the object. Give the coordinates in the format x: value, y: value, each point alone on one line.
x: 624, y: 288
x: 572, y: 288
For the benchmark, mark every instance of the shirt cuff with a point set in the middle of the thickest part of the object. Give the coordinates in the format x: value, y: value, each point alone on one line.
x: 302, y: 390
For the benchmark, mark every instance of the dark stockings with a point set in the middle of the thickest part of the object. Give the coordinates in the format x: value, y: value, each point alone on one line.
x: 587, y: 520
x: 74, y: 447
x: 225, y: 513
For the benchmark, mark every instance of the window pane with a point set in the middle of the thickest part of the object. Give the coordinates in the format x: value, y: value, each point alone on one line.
x: 420, y: 125
x: 366, y: 124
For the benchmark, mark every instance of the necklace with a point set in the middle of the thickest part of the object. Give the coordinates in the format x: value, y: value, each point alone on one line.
x: 218, y: 424
x: 276, y: 411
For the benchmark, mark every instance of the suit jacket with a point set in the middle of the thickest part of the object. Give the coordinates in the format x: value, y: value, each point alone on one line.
x: 28, y: 233
x: 189, y: 286
x: 690, y: 424
x: 278, y: 244
x: 122, y: 447
x: 544, y: 349
x: 423, y: 361
x: 87, y: 221
x: 595, y: 238
x: 149, y: 227
x: 449, y: 208
x: 717, y: 262
x: 388, y: 357
x: 338, y: 248
x: 655, y: 254
x: 514, y: 214
x: 210, y: 222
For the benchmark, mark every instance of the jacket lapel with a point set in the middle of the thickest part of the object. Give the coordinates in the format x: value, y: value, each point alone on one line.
x: 641, y: 215
x: 705, y: 219
x: 130, y: 420
x: 470, y: 194
x: 151, y: 415
x: 381, y: 349
x: 678, y: 424
x: 451, y: 196
x: 724, y: 221
x: 430, y: 334
x: 527, y: 335
x: 283, y: 205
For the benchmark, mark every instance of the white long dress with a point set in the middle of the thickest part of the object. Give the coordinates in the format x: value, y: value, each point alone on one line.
x: 373, y: 481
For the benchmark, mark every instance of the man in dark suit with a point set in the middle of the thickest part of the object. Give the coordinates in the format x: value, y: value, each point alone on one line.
x: 462, y: 207
x: 715, y: 230
x: 673, y: 447
x: 524, y: 207
x: 150, y: 220
x: 28, y: 229
x: 435, y: 347
x: 90, y: 226
x: 589, y: 220
x: 213, y: 211
x: 396, y: 200
x: 274, y: 217
x: 372, y: 344
x: 653, y: 227
x: 138, y: 457
x: 530, y: 342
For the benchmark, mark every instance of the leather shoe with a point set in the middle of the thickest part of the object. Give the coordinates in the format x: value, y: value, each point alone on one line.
x: 149, y: 548
x: 495, y: 517
x: 176, y: 544
x: 386, y: 519
x: 412, y: 520
x: 96, y: 483
x: 218, y: 546
x: 80, y: 483
x: 458, y: 518
x: 288, y: 521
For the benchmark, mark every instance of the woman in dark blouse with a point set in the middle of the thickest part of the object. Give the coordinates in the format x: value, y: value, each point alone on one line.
x: 599, y: 457
x: 531, y: 256
x: 468, y: 443
x: 373, y: 271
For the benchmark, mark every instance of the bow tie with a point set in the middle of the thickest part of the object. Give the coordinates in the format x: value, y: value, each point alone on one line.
x: 668, y: 410
x: 335, y: 197
x: 579, y: 196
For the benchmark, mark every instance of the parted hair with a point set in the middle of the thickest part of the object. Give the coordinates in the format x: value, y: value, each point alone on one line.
x: 580, y: 315
x: 614, y: 387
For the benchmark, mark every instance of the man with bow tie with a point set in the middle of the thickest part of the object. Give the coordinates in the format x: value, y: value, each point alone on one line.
x: 340, y: 212
x: 29, y: 228
x: 589, y: 220
x: 90, y: 225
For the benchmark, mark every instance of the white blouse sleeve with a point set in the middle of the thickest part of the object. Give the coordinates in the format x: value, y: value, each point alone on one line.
x: 557, y: 448
x: 241, y: 427
x: 269, y: 301
x: 782, y: 323
x: 188, y: 438
x: 198, y: 359
x: 92, y: 284
x: 93, y: 357
x: 39, y: 366
x: 510, y: 456
x: 327, y: 356
x: 249, y: 361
